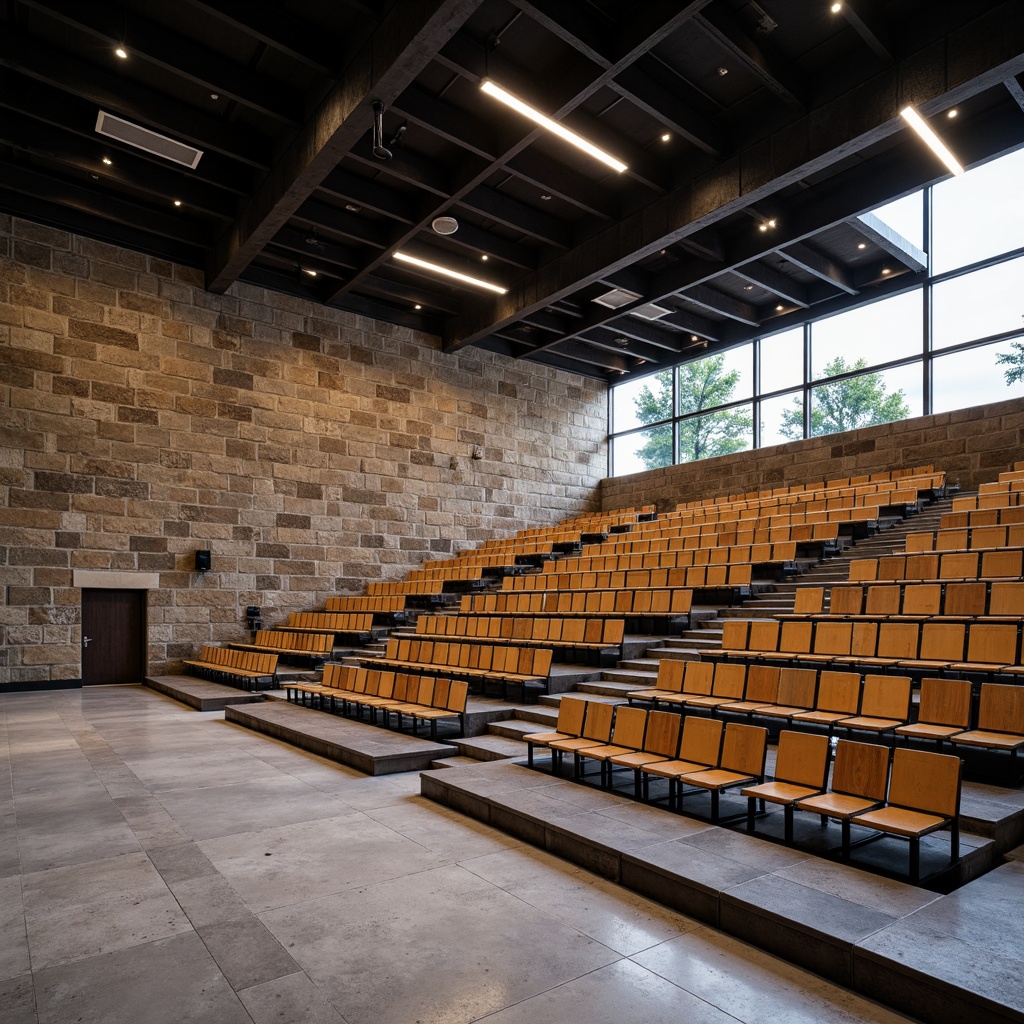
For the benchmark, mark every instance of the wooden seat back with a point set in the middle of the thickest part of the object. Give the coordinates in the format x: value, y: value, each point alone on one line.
x: 1001, y: 708
x: 698, y: 677
x: 730, y: 680
x: 860, y: 769
x: 663, y: 729
x: 886, y: 697
x: 882, y: 600
x: 838, y: 691
x: 809, y: 600
x: 744, y: 749
x: 943, y: 641
x: 1005, y: 599
x: 797, y: 687
x: 945, y: 702
x: 990, y: 643
x: 762, y: 684
x: 630, y: 725
x: 571, y: 711
x: 802, y: 759
x: 846, y: 601
x: 921, y: 599
x: 597, y: 724
x: 670, y: 675
x: 925, y: 781
x: 701, y: 740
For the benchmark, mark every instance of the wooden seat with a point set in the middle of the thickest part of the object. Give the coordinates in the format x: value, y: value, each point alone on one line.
x: 744, y: 749
x: 661, y: 743
x: 859, y: 777
x: 669, y: 681
x: 697, y: 680
x: 797, y: 690
x: 597, y: 729
x: 944, y: 710
x: 699, y: 748
x: 838, y: 698
x: 729, y: 683
x: 627, y: 737
x: 801, y: 771
x: 1000, y: 720
x: 451, y: 705
x: 761, y: 690
x: 924, y: 796
x: 991, y: 647
x: 884, y: 705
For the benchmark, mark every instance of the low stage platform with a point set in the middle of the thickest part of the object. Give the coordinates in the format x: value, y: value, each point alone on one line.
x: 932, y: 956
x: 200, y: 693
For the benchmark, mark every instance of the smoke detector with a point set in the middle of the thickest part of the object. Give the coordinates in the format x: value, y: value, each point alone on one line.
x: 445, y: 225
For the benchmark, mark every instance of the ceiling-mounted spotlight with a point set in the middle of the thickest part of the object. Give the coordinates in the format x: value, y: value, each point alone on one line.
x: 379, y: 150
x: 121, y: 52
x: 396, y: 139
x: 622, y: 342
x: 445, y: 225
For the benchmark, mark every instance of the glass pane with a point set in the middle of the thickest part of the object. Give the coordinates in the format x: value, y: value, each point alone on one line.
x: 979, y: 214
x: 977, y: 376
x: 715, y: 380
x: 782, y: 419
x: 716, y: 433
x: 646, y: 400
x: 782, y: 360
x: 978, y: 305
x: 906, y: 217
x: 643, y: 449
x: 863, y: 401
x: 879, y: 333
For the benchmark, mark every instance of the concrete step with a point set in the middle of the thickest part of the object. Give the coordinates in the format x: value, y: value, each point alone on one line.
x: 676, y: 653
x: 512, y: 729
x: 631, y: 678
x: 537, y: 715
x: 612, y: 689
x: 490, y: 748
x: 458, y: 761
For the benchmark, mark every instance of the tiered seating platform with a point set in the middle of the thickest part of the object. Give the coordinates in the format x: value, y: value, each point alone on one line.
x: 201, y: 694
x: 935, y: 957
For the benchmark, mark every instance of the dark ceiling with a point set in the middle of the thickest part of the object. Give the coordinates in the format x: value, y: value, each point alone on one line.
x: 779, y: 111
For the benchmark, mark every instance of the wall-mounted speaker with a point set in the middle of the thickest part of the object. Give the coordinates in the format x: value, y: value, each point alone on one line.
x: 202, y: 561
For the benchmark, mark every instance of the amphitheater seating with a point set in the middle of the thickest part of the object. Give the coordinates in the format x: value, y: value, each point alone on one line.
x: 1000, y: 721
x: 801, y: 771
x: 699, y: 749
x: 597, y: 729
x: 744, y: 750
x: 355, y: 626
x: 943, y: 711
x: 312, y: 647
x: 235, y: 667
x: 571, y: 711
x: 661, y: 743
x: 923, y: 797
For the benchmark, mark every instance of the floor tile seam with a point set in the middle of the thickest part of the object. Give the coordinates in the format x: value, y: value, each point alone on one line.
x: 326, y: 998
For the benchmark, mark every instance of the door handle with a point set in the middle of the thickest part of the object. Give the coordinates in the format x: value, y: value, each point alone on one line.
x: 86, y: 640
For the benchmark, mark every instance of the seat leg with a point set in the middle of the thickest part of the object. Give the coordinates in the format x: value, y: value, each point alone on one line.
x: 751, y: 807
x: 636, y: 783
x: 787, y: 818
x: 846, y: 839
x: 529, y: 755
x: 915, y: 859
x: 714, y: 806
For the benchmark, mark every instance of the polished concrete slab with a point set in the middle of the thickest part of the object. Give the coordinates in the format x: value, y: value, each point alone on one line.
x: 250, y: 881
x: 369, y: 748
x: 201, y: 694
x: 864, y: 931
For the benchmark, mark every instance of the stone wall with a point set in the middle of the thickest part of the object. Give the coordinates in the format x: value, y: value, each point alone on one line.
x: 311, y: 450
x: 971, y: 445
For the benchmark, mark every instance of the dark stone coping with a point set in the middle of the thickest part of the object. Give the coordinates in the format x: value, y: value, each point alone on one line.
x: 368, y: 748
x: 200, y: 693
x: 939, y: 958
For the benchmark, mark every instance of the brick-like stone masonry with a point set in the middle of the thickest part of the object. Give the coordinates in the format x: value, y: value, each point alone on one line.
x: 311, y: 450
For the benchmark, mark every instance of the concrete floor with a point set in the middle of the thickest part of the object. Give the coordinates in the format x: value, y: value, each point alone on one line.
x: 161, y: 865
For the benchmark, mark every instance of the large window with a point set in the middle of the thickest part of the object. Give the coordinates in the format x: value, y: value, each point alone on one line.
x: 954, y: 342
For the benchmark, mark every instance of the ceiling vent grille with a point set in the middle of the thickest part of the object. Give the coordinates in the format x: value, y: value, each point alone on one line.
x: 144, y: 139
x: 617, y: 298
x: 649, y: 311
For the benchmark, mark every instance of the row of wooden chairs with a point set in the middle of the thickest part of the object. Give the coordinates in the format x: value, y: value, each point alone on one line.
x: 552, y: 631
x: 970, y: 538
x: 392, y: 588
x: 315, y: 647
x: 502, y: 664
x: 671, y: 602
x: 997, y: 499
x: 331, y: 622
x: 756, y: 554
x: 982, y: 599
x: 1001, y: 516
x: 364, y: 603
x: 694, y: 576
x: 1005, y: 563
x: 225, y: 665
x: 715, y: 535
x: 838, y: 483
x: 921, y: 795
x: 420, y: 698
x: 917, y: 646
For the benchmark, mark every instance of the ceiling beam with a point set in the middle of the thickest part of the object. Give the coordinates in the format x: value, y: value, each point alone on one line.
x: 857, y: 119
x: 513, y: 214
x: 1015, y: 90
x: 771, y: 280
x: 870, y: 28
x: 821, y: 266
x: 402, y: 45
x: 719, y: 302
x: 176, y: 53
x: 876, y: 231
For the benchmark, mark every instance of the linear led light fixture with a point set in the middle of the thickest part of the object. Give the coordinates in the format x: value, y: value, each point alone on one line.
x: 934, y: 143
x: 436, y: 268
x: 554, y: 127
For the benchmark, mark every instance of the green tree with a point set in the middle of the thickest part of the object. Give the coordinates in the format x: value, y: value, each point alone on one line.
x: 703, y: 384
x: 846, y: 404
x: 1014, y: 361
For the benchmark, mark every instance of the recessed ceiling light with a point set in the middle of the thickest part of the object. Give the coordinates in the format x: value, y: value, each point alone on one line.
x: 693, y: 337
x: 666, y: 137
x: 312, y: 273
x: 485, y: 257
x: 214, y: 96
x: 886, y: 270
x: 177, y: 202
x: 771, y: 223
x: 836, y: 7
x: 449, y: 272
x: 762, y: 227
x: 107, y: 160
x: 748, y: 287
x: 952, y: 113
x: 121, y: 52
x: 723, y: 71
x: 445, y: 225
x: 352, y: 208
x: 862, y: 245
x: 503, y: 96
x: 545, y: 197
x: 417, y: 306
x: 931, y: 140
x: 779, y: 308
x: 95, y: 177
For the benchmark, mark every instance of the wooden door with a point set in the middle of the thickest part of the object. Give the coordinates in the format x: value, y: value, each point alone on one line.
x: 113, y: 636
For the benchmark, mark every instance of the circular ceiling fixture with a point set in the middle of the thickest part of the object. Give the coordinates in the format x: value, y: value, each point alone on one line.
x: 445, y: 225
